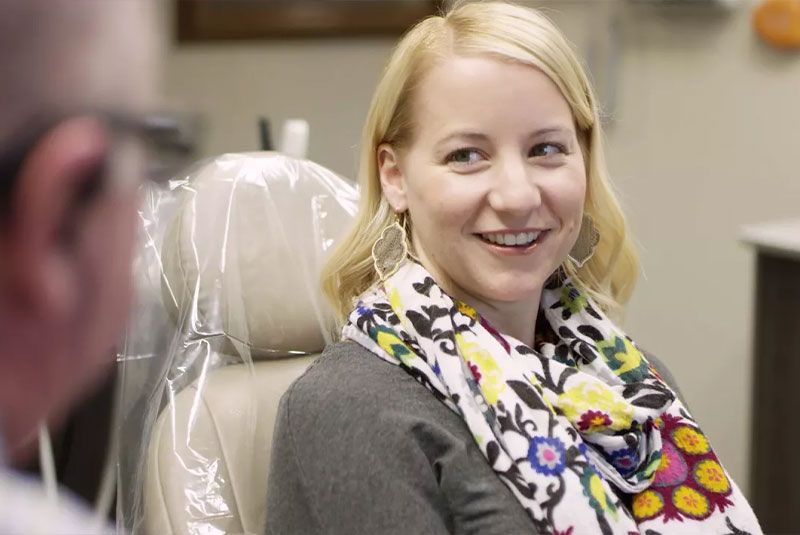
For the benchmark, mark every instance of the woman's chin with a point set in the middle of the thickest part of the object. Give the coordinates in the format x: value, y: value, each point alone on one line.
x: 513, y: 292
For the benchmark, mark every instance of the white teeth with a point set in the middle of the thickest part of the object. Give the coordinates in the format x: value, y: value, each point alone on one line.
x: 522, y: 238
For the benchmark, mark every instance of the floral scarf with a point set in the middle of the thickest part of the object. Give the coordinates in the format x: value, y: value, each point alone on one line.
x: 582, y: 429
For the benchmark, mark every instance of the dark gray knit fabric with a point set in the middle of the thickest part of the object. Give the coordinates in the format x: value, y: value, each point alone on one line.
x: 361, y: 447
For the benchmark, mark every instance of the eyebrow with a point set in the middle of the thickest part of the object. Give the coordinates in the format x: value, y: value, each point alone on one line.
x: 478, y: 136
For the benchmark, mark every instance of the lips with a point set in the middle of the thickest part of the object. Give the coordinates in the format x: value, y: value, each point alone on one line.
x: 512, y: 239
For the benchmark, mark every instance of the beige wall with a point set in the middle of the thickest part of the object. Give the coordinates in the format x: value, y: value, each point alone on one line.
x: 704, y: 139
x: 327, y: 82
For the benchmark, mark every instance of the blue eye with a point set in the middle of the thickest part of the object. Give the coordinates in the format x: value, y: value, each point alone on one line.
x: 547, y: 149
x: 464, y: 156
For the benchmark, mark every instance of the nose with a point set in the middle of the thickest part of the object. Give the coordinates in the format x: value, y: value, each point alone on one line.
x: 514, y: 189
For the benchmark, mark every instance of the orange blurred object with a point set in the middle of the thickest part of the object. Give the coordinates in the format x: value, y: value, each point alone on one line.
x: 778, y: 22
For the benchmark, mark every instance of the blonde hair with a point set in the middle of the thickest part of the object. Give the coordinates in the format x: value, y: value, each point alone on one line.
x: 510, y: 33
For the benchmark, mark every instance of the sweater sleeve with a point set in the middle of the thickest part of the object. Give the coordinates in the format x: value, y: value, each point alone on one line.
x: 342, y: 467
x: 288, y: 506
x: 361, y: 447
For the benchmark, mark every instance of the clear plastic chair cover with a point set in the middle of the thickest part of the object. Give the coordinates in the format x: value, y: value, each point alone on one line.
x: 226, y: 276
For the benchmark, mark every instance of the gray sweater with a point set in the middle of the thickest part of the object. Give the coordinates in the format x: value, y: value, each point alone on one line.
x: 361, y: 447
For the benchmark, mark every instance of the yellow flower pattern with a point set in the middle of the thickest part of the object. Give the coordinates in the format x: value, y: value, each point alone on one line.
x: 664, y: 464
x: 392, y: 344
x: 466, y: 309
x: 690, y: 440
x: 690, y: 502
x: 647, y: 504
x: 595, y: 396
x: 492, y: 382
x: 395, y: 300
x: 621, y: 352
x: 598, y: 492
x: 709, y: 475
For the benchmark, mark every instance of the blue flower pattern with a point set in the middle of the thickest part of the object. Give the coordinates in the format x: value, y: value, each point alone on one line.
x: 547, y: 455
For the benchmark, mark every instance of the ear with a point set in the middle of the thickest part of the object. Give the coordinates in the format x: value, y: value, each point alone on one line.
x: 40, y: 272
x: 393, y: 181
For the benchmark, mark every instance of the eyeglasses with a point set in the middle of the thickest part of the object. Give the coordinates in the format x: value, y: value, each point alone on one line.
x: 169, y: 143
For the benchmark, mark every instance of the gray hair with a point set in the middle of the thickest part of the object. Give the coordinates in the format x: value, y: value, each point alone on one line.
x: 57, y: 56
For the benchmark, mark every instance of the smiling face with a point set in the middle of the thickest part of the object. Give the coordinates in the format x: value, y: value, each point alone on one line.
x: 493, y: 179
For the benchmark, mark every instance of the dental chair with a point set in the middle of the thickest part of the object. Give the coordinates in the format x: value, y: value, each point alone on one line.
x: 240, y: 261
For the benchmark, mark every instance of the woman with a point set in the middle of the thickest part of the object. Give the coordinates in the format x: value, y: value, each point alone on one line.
x: 480, y: 386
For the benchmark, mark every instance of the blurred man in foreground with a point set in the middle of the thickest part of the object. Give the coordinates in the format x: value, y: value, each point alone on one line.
x: 75, y: 76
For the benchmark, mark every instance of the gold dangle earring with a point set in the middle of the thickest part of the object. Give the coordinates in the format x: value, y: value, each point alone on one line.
x: 587, y: 241
x: 391, y: 249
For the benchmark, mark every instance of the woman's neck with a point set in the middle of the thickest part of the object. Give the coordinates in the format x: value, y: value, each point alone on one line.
x: 517, y: 319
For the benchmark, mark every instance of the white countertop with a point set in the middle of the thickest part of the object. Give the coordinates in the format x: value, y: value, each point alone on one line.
x: 778, y: 237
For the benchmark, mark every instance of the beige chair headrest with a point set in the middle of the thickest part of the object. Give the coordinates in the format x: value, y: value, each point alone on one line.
x: 242, y: 256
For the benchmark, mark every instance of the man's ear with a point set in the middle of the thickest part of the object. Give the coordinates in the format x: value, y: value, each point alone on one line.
x: 40, y: 270
x: 393, y: 181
